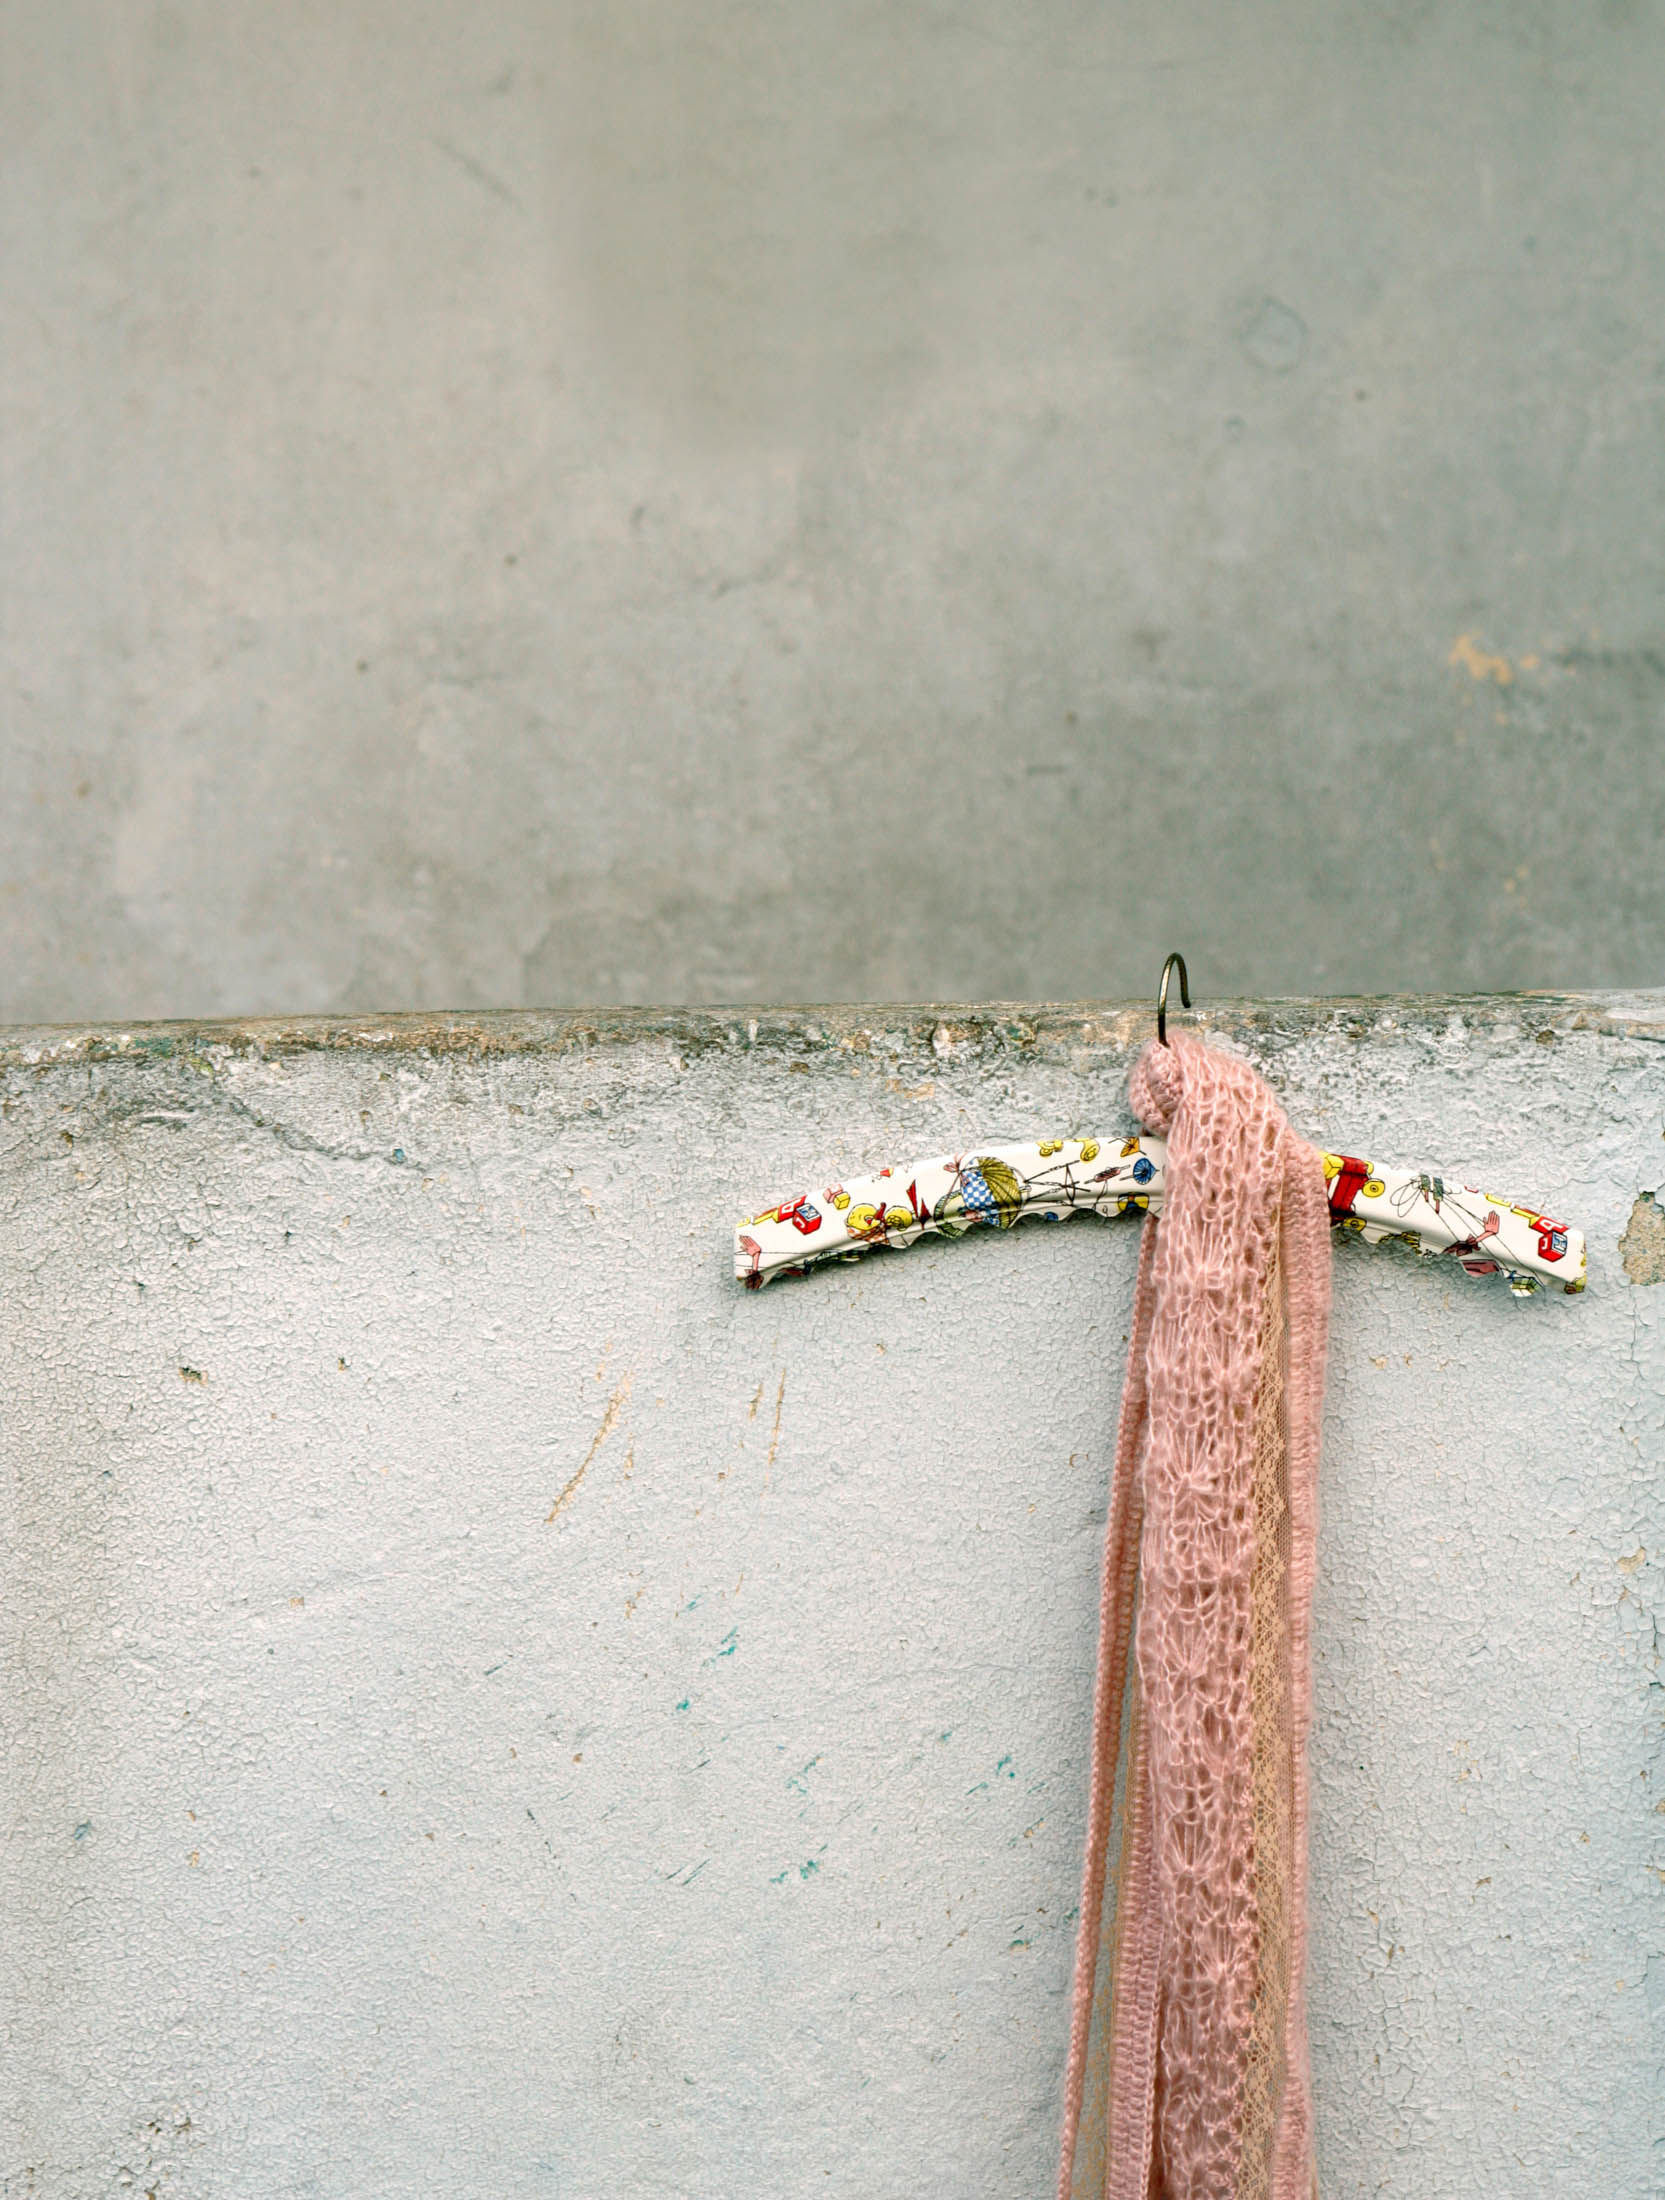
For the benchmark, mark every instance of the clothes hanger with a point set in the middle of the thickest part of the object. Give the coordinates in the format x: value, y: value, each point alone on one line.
x: 1187, y: 2064
x: 995, y: 1186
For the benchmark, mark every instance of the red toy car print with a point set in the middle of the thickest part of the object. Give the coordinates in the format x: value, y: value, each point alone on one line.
x: 1552, y: 1237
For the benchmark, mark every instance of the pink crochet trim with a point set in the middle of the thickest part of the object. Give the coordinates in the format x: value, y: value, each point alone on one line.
x: 1211, y: 1531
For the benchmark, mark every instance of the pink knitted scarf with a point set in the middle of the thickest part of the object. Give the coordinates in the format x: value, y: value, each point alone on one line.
x: 1187, y: 2076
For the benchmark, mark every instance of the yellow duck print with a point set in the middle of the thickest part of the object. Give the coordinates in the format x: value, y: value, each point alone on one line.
x: 864, y: 1221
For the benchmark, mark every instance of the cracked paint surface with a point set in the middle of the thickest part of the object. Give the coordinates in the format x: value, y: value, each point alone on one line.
x: 368, y: 1831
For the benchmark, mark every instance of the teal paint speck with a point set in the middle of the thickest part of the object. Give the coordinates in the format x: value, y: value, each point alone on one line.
x: 683, y: 1705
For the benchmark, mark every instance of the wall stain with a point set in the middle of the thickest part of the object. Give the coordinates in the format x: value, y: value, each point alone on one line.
x: 1479, y: 663
x: 1276, y: 339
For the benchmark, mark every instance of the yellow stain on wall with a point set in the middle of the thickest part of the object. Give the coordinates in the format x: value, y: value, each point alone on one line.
x: 1479, y: 663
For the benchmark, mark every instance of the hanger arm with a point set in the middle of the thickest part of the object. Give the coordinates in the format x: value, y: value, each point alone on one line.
x: 997, y: 1186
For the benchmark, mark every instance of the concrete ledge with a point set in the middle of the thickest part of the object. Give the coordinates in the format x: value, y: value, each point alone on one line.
x: 905, y: 1031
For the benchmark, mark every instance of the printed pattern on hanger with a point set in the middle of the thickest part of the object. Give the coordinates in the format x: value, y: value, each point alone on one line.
x: 997, y: 1186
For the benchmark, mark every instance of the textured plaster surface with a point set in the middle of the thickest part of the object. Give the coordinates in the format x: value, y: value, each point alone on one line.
x: 492, y: 1708
x: 519, y: 504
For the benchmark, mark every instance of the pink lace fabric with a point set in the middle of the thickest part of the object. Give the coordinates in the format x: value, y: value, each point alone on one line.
x: 1187, y: 2075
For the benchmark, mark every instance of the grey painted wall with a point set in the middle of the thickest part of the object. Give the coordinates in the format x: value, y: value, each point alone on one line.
x: 379, y: 1824
x: 531, y: 503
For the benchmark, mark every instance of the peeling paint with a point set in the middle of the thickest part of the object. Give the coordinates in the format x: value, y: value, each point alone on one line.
x: 1642, y: 1248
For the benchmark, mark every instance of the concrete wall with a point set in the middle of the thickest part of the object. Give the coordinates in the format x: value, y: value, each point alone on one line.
x: 534, y: 504
x: 493, y: 1708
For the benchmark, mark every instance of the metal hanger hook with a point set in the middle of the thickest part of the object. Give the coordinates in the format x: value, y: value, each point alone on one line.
x: 1162, y: 995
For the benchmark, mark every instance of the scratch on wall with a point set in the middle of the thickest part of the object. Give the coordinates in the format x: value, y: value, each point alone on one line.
x: 609, y: 1421
x: 774, y: 1433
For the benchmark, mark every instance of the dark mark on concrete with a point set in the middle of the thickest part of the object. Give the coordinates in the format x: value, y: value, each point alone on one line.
x: 479, y: 171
